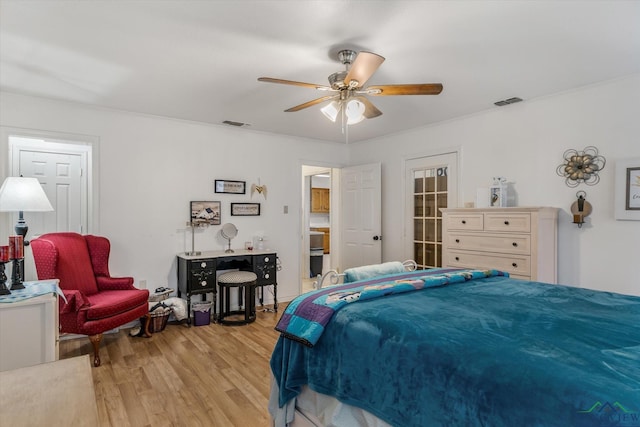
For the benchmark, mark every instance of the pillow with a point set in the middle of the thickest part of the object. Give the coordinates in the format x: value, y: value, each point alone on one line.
x: 374, y: 270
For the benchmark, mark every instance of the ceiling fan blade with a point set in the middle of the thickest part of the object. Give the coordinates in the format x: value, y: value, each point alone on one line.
x: 370, y: 110
x: 410, y: 89
x: 311, y: 103
x: 293, y: 83
x: 365, y: 64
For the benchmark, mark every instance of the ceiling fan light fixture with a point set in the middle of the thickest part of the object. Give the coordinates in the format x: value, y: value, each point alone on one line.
x: 354, y: 111
x: 331, y: 110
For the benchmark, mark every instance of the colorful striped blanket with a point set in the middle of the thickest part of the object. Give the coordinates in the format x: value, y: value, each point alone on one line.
x: 305, y: 318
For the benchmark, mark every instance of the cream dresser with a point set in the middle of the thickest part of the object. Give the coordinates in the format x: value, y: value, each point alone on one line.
x: 521, y: 241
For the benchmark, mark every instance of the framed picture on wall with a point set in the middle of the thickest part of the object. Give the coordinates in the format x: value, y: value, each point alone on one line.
x: 245, y: 209
x: 205, y: 213
x: 231, y: 187
x: 627, y: 189
x: 632, y: 192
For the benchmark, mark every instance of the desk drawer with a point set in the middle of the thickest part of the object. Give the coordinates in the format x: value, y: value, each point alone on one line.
x: 196, y: 276
x: 517, y: 264
x: 265, y: 268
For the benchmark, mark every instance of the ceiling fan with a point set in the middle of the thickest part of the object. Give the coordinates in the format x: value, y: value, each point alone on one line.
x: 348, y: 94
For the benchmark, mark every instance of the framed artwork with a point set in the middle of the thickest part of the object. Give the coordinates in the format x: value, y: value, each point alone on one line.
x: 627, y: 189
x: 205, y: 213
x: 245, y: 209
x: 231, y: 187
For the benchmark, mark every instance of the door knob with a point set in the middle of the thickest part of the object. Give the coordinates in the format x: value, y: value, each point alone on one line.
x: 377, y: 238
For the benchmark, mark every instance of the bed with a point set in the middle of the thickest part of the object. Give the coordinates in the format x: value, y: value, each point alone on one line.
x: 453, y: 347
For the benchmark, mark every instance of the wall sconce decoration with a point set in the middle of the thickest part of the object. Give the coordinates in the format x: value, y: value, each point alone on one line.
x: 260, y: 189
x: 580, y: 208
x: 581, y: 166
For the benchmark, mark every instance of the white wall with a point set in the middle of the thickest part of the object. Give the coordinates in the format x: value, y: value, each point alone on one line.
x: 150, y: 164
x: 525, y: 142
x: 151, y: 168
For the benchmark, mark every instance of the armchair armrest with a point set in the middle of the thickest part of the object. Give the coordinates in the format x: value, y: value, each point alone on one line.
x: 114, y: 283
x: 75, y: 301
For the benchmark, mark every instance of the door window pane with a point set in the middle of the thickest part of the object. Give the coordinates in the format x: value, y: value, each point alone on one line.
x: 418, y: 206
x: 442, y: 202
x: 418, y: 230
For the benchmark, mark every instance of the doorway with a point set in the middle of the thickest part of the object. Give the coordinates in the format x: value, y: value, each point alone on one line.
x: 317, y: 213
x: 431, y: 184
x: 64, y: 165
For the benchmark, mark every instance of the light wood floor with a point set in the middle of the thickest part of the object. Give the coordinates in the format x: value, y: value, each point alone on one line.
x: 210, y: 375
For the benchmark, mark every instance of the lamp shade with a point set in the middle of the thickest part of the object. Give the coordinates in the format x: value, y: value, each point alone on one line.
x: 331, y: 110
x: 23, y: 194
x: 355, y: 112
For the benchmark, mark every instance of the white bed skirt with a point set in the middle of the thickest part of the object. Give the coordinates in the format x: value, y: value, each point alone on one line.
x: 312, y: 409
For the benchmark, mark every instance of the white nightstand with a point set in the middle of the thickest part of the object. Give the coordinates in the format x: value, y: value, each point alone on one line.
x: 29, y: 329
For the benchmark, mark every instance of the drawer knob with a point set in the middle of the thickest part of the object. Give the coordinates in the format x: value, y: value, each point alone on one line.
x: 464, y: 221
x: 513, y: 264
x: 266, y: 259
x: 457, y: 258
x: 515, y: 244
x: 203, y: 264
x: 266, y: 275
x: 457, y: 240
x: 506, y: 223
x: 203, y: 283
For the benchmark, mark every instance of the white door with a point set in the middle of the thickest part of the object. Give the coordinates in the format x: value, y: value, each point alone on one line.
x: 431, y: 184
x: 361, y: 223
x: 65, y: 184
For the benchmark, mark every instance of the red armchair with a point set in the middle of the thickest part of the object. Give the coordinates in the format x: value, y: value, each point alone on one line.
x: 96, y: 302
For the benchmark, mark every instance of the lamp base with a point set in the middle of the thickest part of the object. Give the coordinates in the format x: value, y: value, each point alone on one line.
x: 192, y: 253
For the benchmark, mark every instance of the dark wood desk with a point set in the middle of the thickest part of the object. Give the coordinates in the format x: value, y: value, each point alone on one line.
x: 197, y: 273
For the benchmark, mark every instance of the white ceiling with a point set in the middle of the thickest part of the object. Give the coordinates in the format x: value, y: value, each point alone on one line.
x: 200, y: 60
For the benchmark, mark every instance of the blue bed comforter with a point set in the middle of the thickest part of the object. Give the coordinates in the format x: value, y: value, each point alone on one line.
x: 306, y: 317
x: 492, y: 352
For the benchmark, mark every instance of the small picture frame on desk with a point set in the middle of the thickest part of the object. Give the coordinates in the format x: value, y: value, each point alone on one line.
x: 230, y: 187
x: 245, y: 209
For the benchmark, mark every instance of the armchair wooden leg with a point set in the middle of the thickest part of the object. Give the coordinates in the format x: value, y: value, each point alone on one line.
x: 95, y: 340
x: 147, y: 323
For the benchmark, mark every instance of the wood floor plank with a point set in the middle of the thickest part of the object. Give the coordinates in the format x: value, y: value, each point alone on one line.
x: 211, y: 375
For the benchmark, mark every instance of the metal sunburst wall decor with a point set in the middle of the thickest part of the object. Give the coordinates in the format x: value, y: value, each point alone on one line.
x: 581, y: 166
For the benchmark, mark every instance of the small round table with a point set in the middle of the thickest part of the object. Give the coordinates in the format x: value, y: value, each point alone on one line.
x: 245, y: 281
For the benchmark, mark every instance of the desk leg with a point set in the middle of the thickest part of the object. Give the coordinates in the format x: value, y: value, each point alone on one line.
x: 189, y: 309
x: 275, y: 297
x: 215, y: 303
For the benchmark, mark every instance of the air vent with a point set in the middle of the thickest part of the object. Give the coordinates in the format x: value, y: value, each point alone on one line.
x: 237, y: 124
x: 508, y: 101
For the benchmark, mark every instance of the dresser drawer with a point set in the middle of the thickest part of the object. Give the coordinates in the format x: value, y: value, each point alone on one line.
x: 517, y: 264
x: 465, y: 222
x: 519, y: 244
x: 507, y: 222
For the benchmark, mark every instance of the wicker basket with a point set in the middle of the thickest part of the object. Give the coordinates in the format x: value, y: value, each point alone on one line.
x: 159, y: 319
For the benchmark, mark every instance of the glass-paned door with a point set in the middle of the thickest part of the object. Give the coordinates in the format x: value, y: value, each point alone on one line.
x: 431, y: 186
